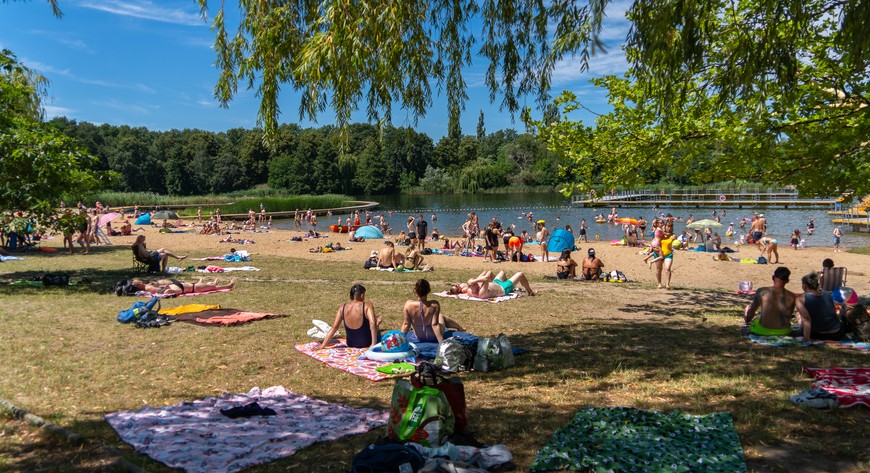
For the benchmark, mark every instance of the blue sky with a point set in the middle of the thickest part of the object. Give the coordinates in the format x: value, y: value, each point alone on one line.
x: 151, y: 63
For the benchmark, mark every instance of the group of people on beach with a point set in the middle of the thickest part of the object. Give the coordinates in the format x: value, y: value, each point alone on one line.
x: 773, y: 308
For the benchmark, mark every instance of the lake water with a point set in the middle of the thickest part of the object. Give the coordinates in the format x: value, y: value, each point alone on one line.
x: 451, y: 210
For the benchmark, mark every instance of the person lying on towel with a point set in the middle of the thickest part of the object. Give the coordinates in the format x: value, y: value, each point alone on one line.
x: 425, y: 317
x: 360, y: 323
x: 176, y: 287
x: 777, y: 305
x: 487, y: 286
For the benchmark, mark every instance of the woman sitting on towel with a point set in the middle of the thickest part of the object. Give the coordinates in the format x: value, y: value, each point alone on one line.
x: 425, y: 318
x: 816, y: 310
x: 566, y: 267
x: 360, y: 322
x: 175, y: 287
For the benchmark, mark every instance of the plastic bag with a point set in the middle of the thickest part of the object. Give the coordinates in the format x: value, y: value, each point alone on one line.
x: 494, y: 354
x: 419, y: 415
x: 453, y: 356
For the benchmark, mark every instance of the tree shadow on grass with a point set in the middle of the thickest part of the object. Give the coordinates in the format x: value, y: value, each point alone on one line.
x: 666, y: 364
x: 659, y: 364
x: 691, y: 303
x: 82, y: 280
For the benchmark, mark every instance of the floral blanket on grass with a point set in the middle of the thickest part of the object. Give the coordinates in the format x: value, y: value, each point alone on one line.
x: 783, y: 341
x: 348, y: 359
x: 850, y: 385
x: 196, y: 437
x: 626, y: 439
x: 466, y: 297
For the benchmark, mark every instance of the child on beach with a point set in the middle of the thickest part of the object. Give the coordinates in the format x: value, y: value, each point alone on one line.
x: 655, y: 246
x: 795, y: 239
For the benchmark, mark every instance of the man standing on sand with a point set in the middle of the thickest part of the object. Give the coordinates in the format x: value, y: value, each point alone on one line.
x: 777, y: 305
x: 837, y: 234
x: 758, y: 227
x: 422, y: 229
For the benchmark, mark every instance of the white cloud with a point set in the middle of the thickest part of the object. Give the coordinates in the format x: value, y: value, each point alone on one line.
x: 52, y: 111
x: 49, y: 69
x: 126, y: 107
x: 611, y: 62
x: 68, y: 40
x: 146, y: 10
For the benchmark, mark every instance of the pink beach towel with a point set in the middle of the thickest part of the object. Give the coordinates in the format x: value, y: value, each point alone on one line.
x: 196, y: 437
x: 850, y: 385
x: 348, y: 359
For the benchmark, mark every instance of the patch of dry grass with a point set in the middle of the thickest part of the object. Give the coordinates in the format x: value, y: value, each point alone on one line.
x: 66, y: 359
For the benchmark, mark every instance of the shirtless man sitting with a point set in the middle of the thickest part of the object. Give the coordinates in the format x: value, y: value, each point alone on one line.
x: 388, y: 258
x: 487, y: 286
x: 777, y: 305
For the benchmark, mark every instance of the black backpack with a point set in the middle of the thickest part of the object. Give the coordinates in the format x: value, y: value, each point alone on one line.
x: 371, y: 263
x: 125, y: 287
x: 387, y: 458
x: 55, y: 280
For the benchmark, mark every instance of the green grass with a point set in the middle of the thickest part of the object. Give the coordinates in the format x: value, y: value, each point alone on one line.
x: 859, y: 251
x: 66, y: 359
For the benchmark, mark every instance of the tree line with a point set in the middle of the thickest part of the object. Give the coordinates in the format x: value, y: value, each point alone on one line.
x: 377, y: 160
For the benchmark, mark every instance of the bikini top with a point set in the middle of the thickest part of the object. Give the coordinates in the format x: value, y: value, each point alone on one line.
x: 423, y: 332
x: 358, y: 337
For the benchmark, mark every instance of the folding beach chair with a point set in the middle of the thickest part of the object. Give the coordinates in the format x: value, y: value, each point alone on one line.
x: 833, y: 278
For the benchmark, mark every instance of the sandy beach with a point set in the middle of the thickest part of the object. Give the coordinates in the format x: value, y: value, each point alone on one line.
x: 692, y: 270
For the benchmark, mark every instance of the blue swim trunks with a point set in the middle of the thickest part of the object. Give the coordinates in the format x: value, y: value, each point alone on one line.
x: 508, y: 285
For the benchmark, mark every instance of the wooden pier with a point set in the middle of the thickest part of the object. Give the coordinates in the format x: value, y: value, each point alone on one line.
x: 707, y: 198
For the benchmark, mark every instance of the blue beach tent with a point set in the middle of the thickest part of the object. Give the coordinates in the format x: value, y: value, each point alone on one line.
x: 561, y: 239
x: 369, y: 232
x: 144, y: 219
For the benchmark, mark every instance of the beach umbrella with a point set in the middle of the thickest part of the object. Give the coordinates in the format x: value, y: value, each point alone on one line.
x: 164, y: 215
x: 108, y: 217
x: 704, y: 223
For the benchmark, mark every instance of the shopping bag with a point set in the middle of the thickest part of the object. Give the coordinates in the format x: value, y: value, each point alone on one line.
x: 420, y: 415
x: 494, y: 354
x: 434, y: 376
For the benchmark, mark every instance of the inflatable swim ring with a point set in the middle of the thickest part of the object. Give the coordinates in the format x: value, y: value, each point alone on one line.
x: 378, y: 353
x: 600, y: 221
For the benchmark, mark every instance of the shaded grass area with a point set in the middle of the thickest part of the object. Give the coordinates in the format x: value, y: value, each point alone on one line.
x: 67, y: 360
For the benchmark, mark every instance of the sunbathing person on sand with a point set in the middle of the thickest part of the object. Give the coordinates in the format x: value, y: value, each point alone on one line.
x: 176, y: 287
x: 486, y: 285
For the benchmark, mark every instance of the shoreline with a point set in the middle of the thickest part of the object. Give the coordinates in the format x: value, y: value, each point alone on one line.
x: 692, y: 270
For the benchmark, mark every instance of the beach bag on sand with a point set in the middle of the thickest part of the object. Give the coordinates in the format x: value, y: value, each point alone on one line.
x: 387, y: 458
x: 857, y: 322
x: 420, y: 415
x: 431, y: 375
x: 453, y: 356
x: 139, y: 310
x: 494, y: 354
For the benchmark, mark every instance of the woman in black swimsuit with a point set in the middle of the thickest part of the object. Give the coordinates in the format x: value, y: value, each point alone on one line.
x: 175, y: 287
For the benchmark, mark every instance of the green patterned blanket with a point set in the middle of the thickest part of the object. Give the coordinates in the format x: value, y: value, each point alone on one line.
x: 622, y: 439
